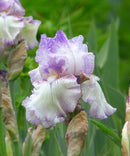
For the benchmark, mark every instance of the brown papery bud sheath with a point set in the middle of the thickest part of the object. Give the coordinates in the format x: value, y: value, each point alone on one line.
x: 76, y: 134
x: 8, y: 115
x: 16, y: 61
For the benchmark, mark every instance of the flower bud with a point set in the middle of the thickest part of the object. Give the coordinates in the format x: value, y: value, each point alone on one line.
x: 16, y: 61
x: 126, y: 139
x: 37, y: 138
x: 8, y: 115
x: 76, y: 134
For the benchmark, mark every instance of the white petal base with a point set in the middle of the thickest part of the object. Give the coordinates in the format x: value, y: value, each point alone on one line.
x: 50, y: 102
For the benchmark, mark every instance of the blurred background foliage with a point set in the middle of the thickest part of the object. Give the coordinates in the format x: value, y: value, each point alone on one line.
x: 105, y: 27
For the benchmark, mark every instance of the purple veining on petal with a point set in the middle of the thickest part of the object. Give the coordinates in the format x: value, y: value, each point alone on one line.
x: 61, y: 37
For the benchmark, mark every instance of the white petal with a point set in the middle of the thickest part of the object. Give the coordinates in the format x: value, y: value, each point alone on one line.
x: 35, y: 76
x: 93, y: 94
x: 51, y: 101
x: 10, y: 27
x: 29, y: 33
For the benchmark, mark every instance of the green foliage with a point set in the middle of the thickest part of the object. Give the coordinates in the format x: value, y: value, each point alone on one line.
x: 113, y: 136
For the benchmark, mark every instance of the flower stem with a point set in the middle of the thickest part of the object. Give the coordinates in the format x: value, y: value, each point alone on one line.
x: 16, y: 151
x: 11, y: 87
x: 16, y: 148
x: 2, y: 138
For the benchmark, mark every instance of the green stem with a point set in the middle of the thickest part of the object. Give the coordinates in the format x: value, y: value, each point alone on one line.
x: 2, y: 138
x: 16, y: 148
x: 11, y: 87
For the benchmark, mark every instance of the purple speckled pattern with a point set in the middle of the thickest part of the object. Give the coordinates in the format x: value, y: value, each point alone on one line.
x: 71, y: 56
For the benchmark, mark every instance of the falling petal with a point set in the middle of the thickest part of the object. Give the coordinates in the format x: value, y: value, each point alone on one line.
x: 93, y: 94
x: 10, y: 27
x: 29, y: 32
x: 50, y: 102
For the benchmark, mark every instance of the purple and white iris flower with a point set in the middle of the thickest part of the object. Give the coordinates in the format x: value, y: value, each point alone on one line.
x: 14, y: 27
x: 64, y: 75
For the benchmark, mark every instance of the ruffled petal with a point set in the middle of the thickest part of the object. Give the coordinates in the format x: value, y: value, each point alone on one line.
x: 12, y: 7
x: 16, y: 8
x: 35, y: 76
x: 29, y: 32
x: 50, y: 102
x: 4, y: 5
x: 92, y: 93
x: 65, y: 56
x: 10, y: 28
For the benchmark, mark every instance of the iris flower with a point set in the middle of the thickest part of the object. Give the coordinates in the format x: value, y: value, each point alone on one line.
x: 14, y: 27
x: 63, y: 77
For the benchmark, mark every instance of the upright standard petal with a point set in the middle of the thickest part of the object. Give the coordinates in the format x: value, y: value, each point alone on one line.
x: 65, y: 56
x: 29, y: 32
x: 4, y: 5
x: 10, y: 28
x: 50, y: 101
x: 16, y: 8
x: 92, y: 93
x: 12, y: 7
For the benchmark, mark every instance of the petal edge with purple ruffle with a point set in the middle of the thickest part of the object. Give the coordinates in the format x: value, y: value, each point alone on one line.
x: 29, y: 32
x: 10, y: 28
x: 93, y: 94
x: 50, y: 102
x: 65, y: 56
